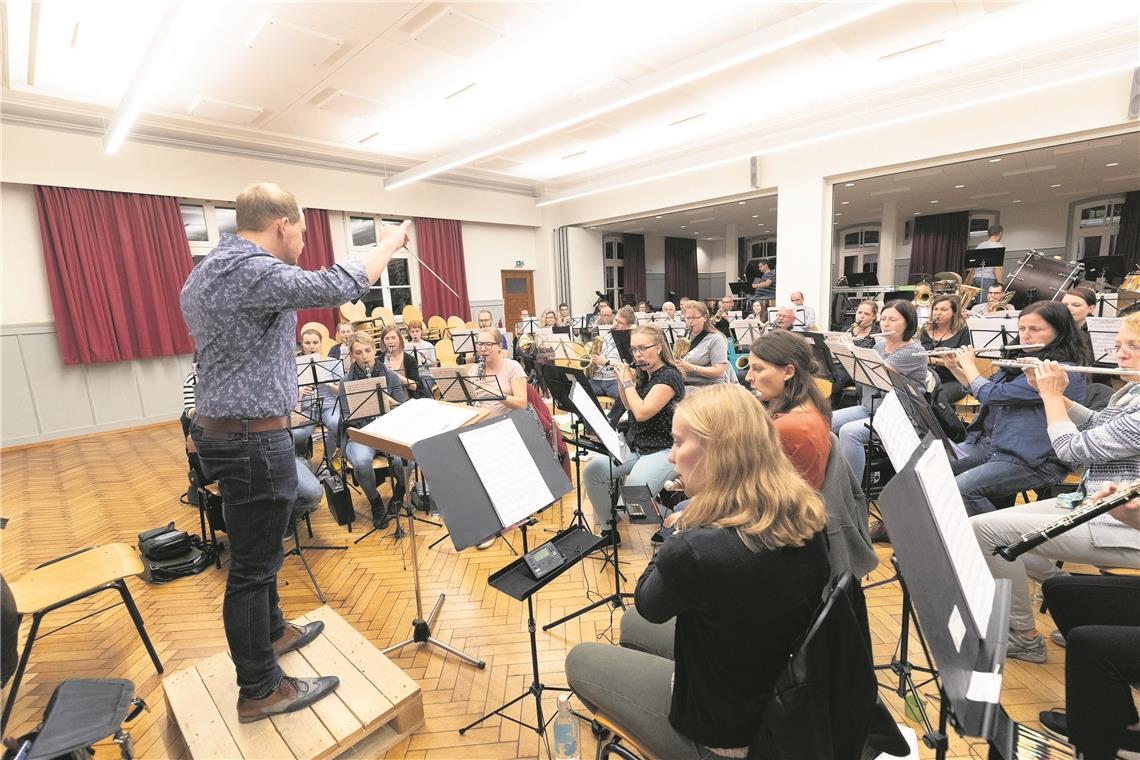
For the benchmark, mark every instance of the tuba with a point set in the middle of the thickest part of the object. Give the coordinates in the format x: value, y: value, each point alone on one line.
x: 923, y: 295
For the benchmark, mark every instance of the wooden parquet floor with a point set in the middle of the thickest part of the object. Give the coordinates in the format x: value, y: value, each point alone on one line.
x: 109, y: 487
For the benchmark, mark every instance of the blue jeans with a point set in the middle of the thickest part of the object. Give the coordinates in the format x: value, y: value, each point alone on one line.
x: 309, y: 490
x: 257, y: 476
x: 639, y: 470
x: 984, y: 284
x: 360, y: 456
x: 850, y: 424
x: 427, y: 382
x: 301, y: 437
x: 980, y: 478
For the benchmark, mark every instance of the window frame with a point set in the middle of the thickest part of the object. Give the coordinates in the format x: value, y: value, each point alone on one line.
x: 383, y: 286
x: 1108, y: 231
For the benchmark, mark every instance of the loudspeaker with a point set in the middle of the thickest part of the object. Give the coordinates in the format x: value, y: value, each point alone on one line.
x: 1134, y: 96
x: 339, y: 500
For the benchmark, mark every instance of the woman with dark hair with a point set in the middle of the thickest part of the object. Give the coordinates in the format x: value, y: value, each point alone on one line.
x: 780, y: 369
x: 1007, y: 448
x: 1081, y: 303
x: 946, y: 329
x: 399, y: 361
x: 900, y: 352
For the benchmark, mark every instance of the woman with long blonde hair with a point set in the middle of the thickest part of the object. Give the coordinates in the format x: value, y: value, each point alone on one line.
x: 722, y: 604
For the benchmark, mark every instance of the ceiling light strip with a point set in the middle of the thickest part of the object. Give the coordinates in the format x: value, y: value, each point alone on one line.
x: 132, y: 102
x: 770, y: 40
x: 957, y: 106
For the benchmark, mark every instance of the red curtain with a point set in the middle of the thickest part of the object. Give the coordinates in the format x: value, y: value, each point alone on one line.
x: 633, y: 262
x: 939, y: 243
x: 315, y: 256
x: 680, y: 268
x: 115, y: 266
x: 440, y: 246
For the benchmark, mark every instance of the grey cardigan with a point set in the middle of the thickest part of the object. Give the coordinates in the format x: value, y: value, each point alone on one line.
x: 849, y: 543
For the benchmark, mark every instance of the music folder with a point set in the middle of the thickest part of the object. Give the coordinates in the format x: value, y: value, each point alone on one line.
x: 984, y: 257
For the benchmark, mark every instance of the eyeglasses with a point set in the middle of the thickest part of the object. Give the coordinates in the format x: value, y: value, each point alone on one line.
x: 641, y: 349
x: 485, y: 344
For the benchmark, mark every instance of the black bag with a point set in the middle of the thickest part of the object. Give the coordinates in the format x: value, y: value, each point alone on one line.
x: 168, y: 553
x: 339, y: 500
x: 948, y: 420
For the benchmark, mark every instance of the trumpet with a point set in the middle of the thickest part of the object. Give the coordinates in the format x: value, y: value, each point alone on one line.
x: 1029, y: 362
x: 1079, y: 516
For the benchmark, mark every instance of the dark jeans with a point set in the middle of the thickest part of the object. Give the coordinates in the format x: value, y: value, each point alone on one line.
x: 982, y: 479
x: 257, y: 476
x: 609, y: 388
x: 1100, y: 619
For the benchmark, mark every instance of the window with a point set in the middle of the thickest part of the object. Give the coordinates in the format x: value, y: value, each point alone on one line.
x: 613, y: 262
x: 1095, y: 226
x: 194, y: 222
x: 204, y: 222
x: 859, y: 251
x: 980, y: 223
x: 227, y: 220
x: 395, y: 288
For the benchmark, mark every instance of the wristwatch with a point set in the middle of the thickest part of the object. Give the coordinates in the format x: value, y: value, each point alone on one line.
x: 627, y: 384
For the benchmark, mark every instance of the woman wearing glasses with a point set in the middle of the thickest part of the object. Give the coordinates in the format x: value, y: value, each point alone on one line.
x: 650, y: 398
x: 706, y: 363
x: 510, y: 374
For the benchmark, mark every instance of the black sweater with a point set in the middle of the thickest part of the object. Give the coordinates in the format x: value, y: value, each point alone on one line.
x: 739, y: 613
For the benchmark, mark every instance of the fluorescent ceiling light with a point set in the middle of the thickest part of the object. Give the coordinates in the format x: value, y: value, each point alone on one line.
x: 1114, y: 163
x: 867, y: 127
x: 958, y: 187
x: 134, y: 98
x: 784, y: 34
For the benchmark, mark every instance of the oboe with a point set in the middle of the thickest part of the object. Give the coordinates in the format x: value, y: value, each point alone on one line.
x: 1078, y: 516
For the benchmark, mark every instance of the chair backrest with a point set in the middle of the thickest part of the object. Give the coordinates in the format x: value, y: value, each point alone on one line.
x: 456, y: 323
x: 384, y: 313
x: 445, y: 353
x: 318, y: 326
x: 824, y: 699
x: 412, y: 313
x: 354, y: 312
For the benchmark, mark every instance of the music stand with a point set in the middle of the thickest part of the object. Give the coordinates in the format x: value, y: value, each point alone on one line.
x: 461, y: 388
x: 579, y: 325
x: 962, y: 610
x: 558, y: 345
x: 976, y: 258
x: 746, y: 331
x: 615, y: 449
x: 991, y: 333
x: 1110, y: 267
x: 1102, y: 333
x: 673, y: 331
x: 474, y: 512
x: 400, y: 436
x: 526, y: 326
x: 823, y: 356
x: 314, y: 372
x: 463, y: 341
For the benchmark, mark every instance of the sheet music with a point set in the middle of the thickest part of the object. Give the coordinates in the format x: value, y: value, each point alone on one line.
x: 419, y: 418
x: 598, y: 422
x: 974, y: 577
x: 895, y: 430
x: 507, y: 471
x: 1102, y: 332
x: 327, y: 370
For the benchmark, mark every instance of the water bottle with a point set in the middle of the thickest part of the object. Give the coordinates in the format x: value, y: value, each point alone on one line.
x: 565, y: 731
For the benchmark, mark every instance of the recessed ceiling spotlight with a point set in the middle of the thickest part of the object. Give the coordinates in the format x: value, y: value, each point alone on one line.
x: 1018, y: 201
x: 844, y: 203
x: 1057, y: 185
x: 934, y: 201
x: 683, y: 226
x: 958, y: 187
x: 916, y: 213
x: 656, y: 217
x: 994, y: 160
x: 741, y: 203
x: 1114, y: 163
x: 755, y: 216
x: 850, y: 184
x: 696, y: 233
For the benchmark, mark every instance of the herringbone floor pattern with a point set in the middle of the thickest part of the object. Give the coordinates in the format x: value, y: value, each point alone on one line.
x: 110, y: 487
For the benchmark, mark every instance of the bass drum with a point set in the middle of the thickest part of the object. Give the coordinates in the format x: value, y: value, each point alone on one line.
x: 1040, y: 278
x: 1131, y: 282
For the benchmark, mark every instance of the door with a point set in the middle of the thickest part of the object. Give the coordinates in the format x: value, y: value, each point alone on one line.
x: 518, y: 294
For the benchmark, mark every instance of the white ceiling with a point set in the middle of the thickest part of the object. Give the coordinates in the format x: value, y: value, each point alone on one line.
x: 1067, y: 172
x: 583, y: 87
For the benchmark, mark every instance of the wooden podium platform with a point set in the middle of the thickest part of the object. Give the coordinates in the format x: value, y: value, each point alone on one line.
x: 375, y: 706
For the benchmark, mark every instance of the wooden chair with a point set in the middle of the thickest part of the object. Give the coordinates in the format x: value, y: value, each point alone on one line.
x: 354, y: 312
x: 319, y: 327
x: 824, y: 386
x: 326, y: 346
x: 435, y: 328
x: 456, y: 323
x: 68, y: 579
x: 384, y: 313
x: 412, y: 313
x: 445, y: 353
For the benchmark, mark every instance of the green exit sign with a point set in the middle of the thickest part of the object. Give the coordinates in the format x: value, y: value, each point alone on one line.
x: 519, y: 262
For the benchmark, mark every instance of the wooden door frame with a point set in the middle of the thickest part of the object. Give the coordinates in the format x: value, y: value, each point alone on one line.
x: 508, y: 318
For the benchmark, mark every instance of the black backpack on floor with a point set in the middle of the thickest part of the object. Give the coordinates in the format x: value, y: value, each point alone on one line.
x: 168, y: 553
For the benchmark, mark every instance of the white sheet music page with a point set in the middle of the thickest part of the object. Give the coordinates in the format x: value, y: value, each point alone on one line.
x: 417, y: 419
x: 974, y: 577
x: 598, y: 423
x: 1102, y: 333
x: 895, y: 430
x: 507, y: 471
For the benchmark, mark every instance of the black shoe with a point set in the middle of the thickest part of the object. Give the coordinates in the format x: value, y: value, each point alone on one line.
x: 379, y: 514
x: 1056, y: 722
x: 297, y: 636
x: 879, y: 533
x: 289, y: 695
x: 395, y: 504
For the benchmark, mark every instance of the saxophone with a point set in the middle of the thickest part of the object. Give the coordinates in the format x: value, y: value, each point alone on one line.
x: 593, y: 348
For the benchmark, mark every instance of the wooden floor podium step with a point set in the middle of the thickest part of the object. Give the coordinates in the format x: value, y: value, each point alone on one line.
x: 375, y: 707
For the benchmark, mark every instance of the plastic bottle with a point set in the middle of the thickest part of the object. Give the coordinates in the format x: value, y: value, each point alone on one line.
x: 565, y: 731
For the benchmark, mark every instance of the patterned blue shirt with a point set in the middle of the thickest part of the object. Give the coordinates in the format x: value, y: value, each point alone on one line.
x: 239, y: 304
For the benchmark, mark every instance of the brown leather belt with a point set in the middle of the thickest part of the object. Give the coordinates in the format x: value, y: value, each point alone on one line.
x: 241, y: 426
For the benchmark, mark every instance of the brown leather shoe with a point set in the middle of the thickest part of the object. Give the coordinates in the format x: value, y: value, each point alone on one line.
x: 291, y: 694
x: 297, y: 636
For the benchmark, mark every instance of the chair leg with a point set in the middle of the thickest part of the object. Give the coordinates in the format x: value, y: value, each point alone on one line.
x: 121, y: 585
x: 19, y: 675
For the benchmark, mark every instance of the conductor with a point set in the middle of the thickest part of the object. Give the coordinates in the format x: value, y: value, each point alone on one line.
x: 239, y: 304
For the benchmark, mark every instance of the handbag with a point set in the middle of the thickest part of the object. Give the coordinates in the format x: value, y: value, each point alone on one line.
x: 163, y: 543
x: 169, y: 553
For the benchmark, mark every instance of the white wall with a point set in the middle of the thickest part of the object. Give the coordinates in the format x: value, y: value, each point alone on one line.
x: 586, y: 274
x: 24, y: 295
x: 491, y: 248
x: 1034, y: 225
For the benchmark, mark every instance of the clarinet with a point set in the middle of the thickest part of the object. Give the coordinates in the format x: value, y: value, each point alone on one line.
x: 1078, y: 516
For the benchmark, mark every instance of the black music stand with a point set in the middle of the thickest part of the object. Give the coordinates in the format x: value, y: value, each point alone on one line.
x: 559, y: 380
x: 867, y: 369
x: 471, y: 517
x: 746, y: 331
x: 674, y: 331
x: 976, y: 258
x: 962, y: 610
x: 991, y: 333
x: 313, y: 373
x: 463, y: 342
x: 579, y: 325
x: 615, y: 449
x: 1102, y: 334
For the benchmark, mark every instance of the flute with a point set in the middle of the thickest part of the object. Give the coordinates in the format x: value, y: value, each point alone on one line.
x: 1028, y: 361
x: 1078, y: 516
x: 946, y: 350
